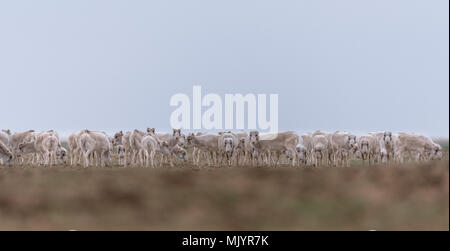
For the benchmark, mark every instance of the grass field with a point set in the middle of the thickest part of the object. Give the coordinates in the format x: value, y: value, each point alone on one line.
x: 407, y: 197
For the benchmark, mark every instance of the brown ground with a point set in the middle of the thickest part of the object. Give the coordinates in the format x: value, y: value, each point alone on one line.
x: 408, y: 197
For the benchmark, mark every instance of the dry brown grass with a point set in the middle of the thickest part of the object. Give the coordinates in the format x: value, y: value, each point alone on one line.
x: 408, y: 197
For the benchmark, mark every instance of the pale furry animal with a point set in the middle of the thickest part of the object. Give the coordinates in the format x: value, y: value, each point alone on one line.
x: 320, y: 148
x: 98, y: 144
x: 44, y: 145
x: 419, y: 147
x: 208, y: 143
x: 123, y: 139
x: 18, y: 138
x: 302, y: 154
x: 386, y: 145
x: 369, y: 148
x: 269, y: 145
x: 6, y: 155
x: 342, y: 146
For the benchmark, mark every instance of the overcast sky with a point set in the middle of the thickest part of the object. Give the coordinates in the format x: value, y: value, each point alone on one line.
x: 336, y: 65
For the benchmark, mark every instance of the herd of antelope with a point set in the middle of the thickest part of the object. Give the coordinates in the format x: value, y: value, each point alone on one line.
x: 149, y: 148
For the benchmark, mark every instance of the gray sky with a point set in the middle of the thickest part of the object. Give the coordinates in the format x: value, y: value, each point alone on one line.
x: 336, y: 65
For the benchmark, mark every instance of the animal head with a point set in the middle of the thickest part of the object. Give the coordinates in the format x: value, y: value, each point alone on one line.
x: 117, y: 140
x: 289, y: 155
x: 354, y: 148
x: 301, y: 153
x: 176, y: 132
x: 164, y: 147
x: 7, y: 159
x: 29, y: 138
x: 190, y: 139
x: 241, y: 144
x: 437, y: 152
x: 23, y: 148
x: 179, y: 152
x: 387, y: 137
x: 254, y: 137
x: 61, y: 153
x: 351, y: 140
x: 181, y: 140
x: 229, y: 144
x: 151, y: 130
x: 364, y: 146
x: 120, y: 150
x: 318, y: 151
